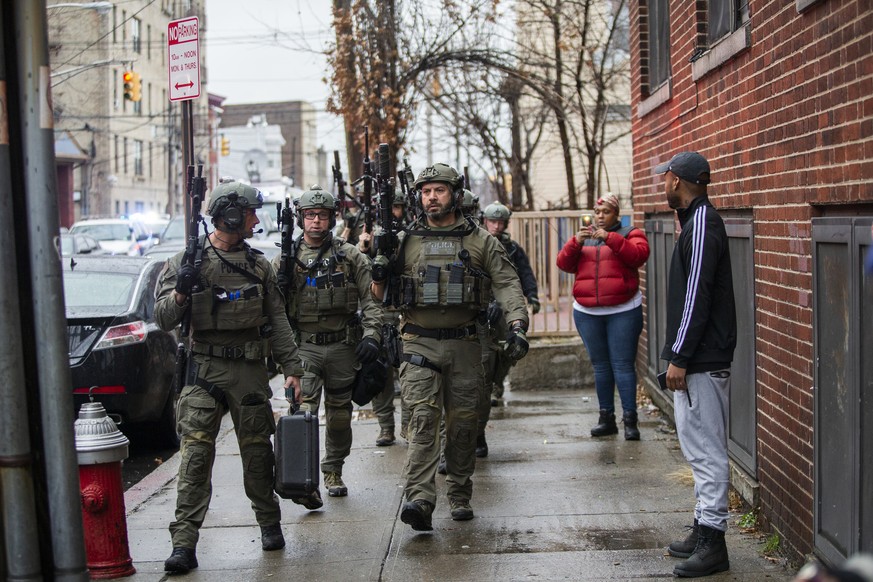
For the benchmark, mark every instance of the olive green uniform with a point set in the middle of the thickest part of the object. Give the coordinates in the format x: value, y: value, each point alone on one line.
x: 330, y: 283
x: 228, y: 352
x: 440, y: 332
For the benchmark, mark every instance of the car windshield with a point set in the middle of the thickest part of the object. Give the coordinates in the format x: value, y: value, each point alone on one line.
x: 175, y: 230
x: 97, y: 293
x: 105, y: 231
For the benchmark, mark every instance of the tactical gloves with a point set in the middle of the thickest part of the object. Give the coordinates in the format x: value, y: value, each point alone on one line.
x: 534, y: 303
x: 381, y: 266
x: 186, y: 278
x: 368, y: 350
x: 516, y: 343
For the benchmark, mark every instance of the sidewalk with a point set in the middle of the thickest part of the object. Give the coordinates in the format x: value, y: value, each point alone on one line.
x: 551, y: 503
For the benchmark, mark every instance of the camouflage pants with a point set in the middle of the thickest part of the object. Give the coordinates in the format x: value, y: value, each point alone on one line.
x: 333, y: 368
x: 457, y: 390
x: 198, y: 417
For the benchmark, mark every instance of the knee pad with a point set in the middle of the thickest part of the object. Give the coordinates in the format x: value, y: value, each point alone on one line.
x: 338, y: 417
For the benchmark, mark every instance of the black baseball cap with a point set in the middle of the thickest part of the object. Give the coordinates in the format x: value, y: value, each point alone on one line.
x: 689, y: 166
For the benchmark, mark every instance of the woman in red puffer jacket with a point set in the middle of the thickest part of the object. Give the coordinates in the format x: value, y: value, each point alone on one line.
x: 608, y: 312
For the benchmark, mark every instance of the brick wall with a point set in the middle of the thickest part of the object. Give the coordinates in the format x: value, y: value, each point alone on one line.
x: 787, y: 125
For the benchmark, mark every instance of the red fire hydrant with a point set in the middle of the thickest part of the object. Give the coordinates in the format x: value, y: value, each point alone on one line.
x: 101, y: 447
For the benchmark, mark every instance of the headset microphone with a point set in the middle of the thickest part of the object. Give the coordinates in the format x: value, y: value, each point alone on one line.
x: 259, y: 231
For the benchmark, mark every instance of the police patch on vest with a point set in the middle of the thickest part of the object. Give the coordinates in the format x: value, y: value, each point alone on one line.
x: 440, y: 248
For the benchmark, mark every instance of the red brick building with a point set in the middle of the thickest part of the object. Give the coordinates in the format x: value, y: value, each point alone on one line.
x: 779, y: 97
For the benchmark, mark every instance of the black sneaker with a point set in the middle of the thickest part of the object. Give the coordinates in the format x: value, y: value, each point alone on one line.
x: 441, y: 466
x: 311, y: 501
x: 272, y: 538
x: 461, y: 510
x: 181, y: 561
x: 417, y: 514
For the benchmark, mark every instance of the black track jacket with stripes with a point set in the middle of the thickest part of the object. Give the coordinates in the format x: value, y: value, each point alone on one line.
x: 701, y: 314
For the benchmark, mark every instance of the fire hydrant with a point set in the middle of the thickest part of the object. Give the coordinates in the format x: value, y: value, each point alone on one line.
x: 100, y: 448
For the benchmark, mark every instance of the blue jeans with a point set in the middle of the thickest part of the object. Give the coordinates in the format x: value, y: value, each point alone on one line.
x: 611, y: 341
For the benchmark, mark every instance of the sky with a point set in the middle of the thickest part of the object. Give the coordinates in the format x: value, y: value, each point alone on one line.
x: 272, y: 50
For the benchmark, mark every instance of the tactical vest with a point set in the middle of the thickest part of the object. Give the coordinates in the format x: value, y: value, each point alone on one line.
x: 229, y: 299
x: 325, y: 287
x: 439, y: 277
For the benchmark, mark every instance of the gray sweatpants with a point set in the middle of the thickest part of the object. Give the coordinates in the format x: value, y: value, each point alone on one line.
x: 702, y: 430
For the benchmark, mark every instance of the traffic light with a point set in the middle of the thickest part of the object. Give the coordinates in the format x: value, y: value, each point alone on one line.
x: 225, y: 146
x: 132, y: 86
x: 127, y: 77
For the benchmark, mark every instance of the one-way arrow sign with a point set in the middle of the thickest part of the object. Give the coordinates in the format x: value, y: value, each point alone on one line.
x: 183, y: 47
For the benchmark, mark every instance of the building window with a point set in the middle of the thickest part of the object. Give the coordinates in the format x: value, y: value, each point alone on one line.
x: 149, y: 42
x: 117, y: 161
x: 137, y: 157
x: 725, y: 17
x: 163, y: 52
x: 658, y: 43
x: 123, y: 28
x: 151, y: 160
x: 115, y: 83
x: 135, y: 35
x: 124, y: 155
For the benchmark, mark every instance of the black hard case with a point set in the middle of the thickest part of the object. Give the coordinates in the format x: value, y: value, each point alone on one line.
x: 296, y: 448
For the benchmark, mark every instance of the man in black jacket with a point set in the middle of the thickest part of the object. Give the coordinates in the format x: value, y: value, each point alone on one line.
x: 700, y: 342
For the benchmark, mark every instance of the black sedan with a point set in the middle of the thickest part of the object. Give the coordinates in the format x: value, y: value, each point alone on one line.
x: 116, y: 350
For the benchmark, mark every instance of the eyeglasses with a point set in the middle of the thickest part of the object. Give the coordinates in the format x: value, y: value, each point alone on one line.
x: 319, y: 214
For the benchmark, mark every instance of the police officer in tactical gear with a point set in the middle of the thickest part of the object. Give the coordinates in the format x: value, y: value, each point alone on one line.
x: 447, y: 268
x: 470, y: 205
x: 330, y: 283
x: 383, y: 403
x: 235, y: 304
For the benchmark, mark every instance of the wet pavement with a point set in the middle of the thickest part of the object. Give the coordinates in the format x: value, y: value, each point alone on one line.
x: 551, y: 503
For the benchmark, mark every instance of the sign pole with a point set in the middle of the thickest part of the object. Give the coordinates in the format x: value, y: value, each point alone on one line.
x: 183, y: 75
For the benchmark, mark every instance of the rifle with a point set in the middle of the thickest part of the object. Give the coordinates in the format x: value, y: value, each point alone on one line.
x: 407, y: 179
x: 340, y: 181
x: 386, y: 242
x: 285, y: 221
x: 193, y: 256
x: 367, y: 206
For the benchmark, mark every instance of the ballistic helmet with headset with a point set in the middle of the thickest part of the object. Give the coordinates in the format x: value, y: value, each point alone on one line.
x: 470, y: 204
x: 497, y: 211
x: 315, y: 197
x: 399, y: 199
x: 229, y: 201
x: 446, y: 174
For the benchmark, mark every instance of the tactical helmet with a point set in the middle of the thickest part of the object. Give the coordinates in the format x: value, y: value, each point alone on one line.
x: 315, y: 197
x: 399, y: 198
x: 230, y: 198
x: 439, y: 173
x: 497, y: 211
x: 470, y: 203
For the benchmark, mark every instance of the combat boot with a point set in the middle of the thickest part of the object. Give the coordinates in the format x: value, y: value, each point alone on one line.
x: 710, y: 555
x: 460, y: 509
x: 181, y: 561
x: 631, y: 430
x: 481, y: 446
x: 272, y: 538
x: 606, y: 425
x: 417, y: 514
x: 311, y: 501
x: 684, y: 548
x: 335, y: 485
x: 385, y: 438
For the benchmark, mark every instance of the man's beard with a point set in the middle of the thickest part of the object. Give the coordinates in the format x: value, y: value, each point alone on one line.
x: 442, y: 212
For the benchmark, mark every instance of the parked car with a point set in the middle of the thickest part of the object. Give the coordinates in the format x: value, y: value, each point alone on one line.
x: 115, y: 346
x: 119, y: 236
x: 79, y: 244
